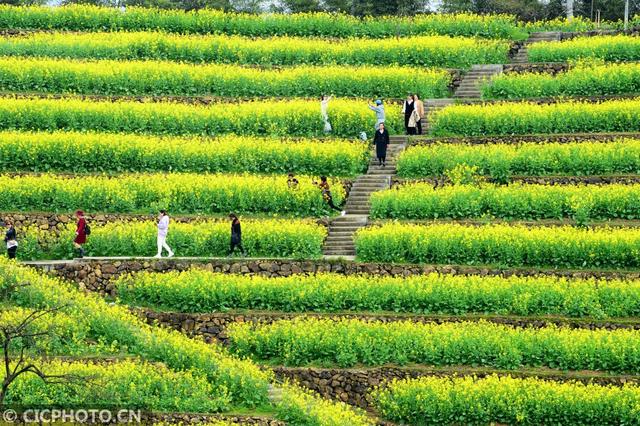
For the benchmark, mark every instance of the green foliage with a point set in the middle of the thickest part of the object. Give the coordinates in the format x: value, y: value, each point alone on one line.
x: 178, y: 193
x: 135, y: 385
x: 299, y: 406
x: 89, y: 18
x: 270, y: 117
x: 103, y: 152
x: 502, y: 161
x: 463, y: 174
x: 523, y: 118
x: 260, y: 238
x: 558, y: 247
x: 233, y: 381
x: 428, y: 51
x: 198, y: 291
x: 516, y: 201
x: 610, y: 48
x: 506, y: 400
x: 349, y: 342
x: 583, y: 79
x: 176, y: 79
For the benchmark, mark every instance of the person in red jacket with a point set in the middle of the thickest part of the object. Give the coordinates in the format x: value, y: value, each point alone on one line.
x: 81, y: 233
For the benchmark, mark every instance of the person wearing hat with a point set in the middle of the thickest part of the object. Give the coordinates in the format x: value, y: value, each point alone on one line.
x: 379, y: 110
x: 11, y: 240
x: 81, y: 233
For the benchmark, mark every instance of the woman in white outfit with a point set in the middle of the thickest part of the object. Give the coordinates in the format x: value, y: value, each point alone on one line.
x: 324, y: 109
x: 163, y: 230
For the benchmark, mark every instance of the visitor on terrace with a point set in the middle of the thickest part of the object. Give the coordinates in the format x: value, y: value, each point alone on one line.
x: 381, y: 141
x: 163, y: 230
x: 292, y: 182
x: 326, y: 194
x: 408, y: 107
x: 236, y: 236
x: 11, y: 240
x: 82, y: 230
x: 379, y: 110
x: 324, y: 109
x: 420, y: 111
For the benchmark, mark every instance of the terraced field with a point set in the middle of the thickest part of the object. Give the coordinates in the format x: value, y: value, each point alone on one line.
x: 489, y: 273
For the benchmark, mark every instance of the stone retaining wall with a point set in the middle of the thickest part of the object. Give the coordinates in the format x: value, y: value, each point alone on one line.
x: 151, y: 418
x: 354, y: 386
x: 97, y: 275
x: 213, y: 326
x: 537, y: 180
x: 559, y: 138
x: 552, y: 68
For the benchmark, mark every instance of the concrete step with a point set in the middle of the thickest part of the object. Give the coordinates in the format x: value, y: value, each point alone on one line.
x: 339, y: 246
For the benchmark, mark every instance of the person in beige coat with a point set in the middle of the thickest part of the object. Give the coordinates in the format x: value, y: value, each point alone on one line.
x: 420, y: 110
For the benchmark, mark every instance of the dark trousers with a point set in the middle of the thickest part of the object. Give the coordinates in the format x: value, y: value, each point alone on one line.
x: 330, y: 203
x: 411, y: 131
x: 406, y: 123
x: 419, y: 124
x: 234, y: 244
x: 382, y: 159
x: 11, y: 252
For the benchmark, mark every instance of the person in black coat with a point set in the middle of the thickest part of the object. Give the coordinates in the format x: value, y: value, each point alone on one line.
x: 381, y: 141
x: 236, y: 235
x: 11, y: 240
x: 407, y: 109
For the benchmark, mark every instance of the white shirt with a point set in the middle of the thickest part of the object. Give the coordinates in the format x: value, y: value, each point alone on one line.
x: 163, y: 226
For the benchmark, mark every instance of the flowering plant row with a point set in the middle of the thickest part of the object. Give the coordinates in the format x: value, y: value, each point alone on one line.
x: 260, y: 238
x: 199, y: 291
x: 430, y: 51
x: 502, y: 161
x: 255, y: 118
x: 76, y: 152
x: 144, y: 78
x: 505, y: 400
x: 349, y: 342
x: 92, y: 18
x: 515, y: 201
x: 504, y: 245
x: 610, y: 48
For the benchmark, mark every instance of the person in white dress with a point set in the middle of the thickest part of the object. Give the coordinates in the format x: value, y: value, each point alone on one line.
x: 324, y: 109
x: 163, y: 230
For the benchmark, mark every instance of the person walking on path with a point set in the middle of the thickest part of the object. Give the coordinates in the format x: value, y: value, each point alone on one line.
x: 378, y: 108
x: 82, y: 230
x: 420, y: 111
x: 163, y: 230
x: 236, y: 236
x: 408, y: 107
x: 381, y: 141
x: 11, y: 240
x: 326, y: 194
x: 324, y: 109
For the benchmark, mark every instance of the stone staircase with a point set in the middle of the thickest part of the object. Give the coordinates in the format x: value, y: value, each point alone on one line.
x: 472, y: 81
x: 339, y: 242
x: 522, y: 57
x: 433, y: 106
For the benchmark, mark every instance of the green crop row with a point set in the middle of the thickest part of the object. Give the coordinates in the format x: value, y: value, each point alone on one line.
x: 349, y: 342
x: 610, y: 48
x: 141, y: 78
x: 198, y: 291
x: 505, y: 400
x: 178, y: 193
x: 522, y: 118
x: 584, y: 79
x: 233, y: 381
x: 134, y: 385
x: 276, y: 118
x: 260, y: 238
x: 515, y: 201
x: 75, y: 152
x: 501, y: 161
x: 504, y: 245
x: 91, y: 18
x: 432, y: 51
